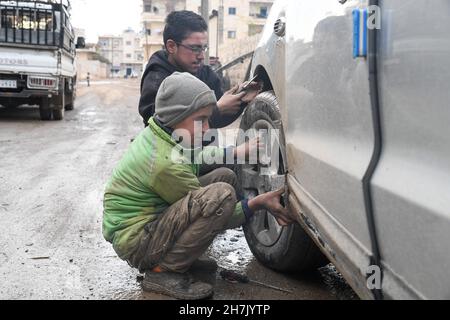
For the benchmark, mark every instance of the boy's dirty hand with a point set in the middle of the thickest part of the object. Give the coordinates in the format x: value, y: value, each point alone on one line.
x: 271, y: 201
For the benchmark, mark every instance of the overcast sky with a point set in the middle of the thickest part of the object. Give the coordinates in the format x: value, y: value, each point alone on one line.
x: 100, y: 17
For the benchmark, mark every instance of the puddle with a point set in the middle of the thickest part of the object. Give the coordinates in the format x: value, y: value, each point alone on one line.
x: 231, y: 251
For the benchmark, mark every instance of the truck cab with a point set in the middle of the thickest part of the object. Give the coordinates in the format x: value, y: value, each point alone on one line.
x: 37, y: 56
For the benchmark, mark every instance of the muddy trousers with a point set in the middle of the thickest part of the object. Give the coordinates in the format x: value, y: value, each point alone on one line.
x: 187, y: 228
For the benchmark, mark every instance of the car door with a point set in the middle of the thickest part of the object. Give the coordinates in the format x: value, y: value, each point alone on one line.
x: 329, y: 126
x: 411, y: 185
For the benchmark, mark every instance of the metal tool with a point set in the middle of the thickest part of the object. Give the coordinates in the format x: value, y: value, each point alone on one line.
x: 234, y: 277
x: 244, y: 88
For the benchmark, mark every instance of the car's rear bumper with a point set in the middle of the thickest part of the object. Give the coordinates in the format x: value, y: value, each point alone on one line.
x: 27, y: 93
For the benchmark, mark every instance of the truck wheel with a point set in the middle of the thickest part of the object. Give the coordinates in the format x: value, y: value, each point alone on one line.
x: 70, y: 99
x: 59, y: 104
x: 285, y: 249
x: 58, y: 114
x: 44, y: 109
x: 70, y: 106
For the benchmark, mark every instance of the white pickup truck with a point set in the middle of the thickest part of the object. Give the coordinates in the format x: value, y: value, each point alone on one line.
x: 37, y: 56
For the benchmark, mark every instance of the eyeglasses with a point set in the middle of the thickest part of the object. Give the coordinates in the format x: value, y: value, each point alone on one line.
x: 194, y: 49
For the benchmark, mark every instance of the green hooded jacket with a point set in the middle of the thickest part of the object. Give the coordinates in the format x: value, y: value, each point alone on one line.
x: 152, y: 175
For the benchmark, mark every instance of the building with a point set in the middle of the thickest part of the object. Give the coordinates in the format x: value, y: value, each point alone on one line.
x: 89, y: 61
x: 124, y: 52
x: 154, y: 13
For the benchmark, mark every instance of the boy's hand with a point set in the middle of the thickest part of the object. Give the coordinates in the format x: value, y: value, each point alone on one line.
x: 271, y: 202
x: 251, y: 91
x: 251, y: 147
x: 230, y: 103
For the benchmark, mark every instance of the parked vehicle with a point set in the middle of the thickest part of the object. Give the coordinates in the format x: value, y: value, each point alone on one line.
x: 365, y: 144
x: 37, y: 56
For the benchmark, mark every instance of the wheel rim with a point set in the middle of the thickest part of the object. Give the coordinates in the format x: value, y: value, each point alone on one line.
x: 267, y: 175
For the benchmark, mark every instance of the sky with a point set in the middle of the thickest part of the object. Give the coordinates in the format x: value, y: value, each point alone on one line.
x: 101, y: 17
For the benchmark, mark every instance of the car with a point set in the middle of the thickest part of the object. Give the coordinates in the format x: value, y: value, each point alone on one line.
x: 359, y: 93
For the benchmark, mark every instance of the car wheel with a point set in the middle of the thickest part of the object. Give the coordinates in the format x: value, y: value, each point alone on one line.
x: 286, y: 249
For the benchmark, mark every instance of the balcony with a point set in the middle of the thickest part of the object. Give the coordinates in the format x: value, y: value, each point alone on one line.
x: 151, y: 17
x: 151, y: 40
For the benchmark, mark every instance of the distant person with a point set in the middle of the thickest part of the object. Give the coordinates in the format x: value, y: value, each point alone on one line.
x: 88, y: 79
x: 185, y: 41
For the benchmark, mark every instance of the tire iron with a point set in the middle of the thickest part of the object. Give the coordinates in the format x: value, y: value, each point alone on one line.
x: 234, y: 277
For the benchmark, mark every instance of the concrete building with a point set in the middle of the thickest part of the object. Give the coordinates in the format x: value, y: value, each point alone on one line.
x: 124, y: 52
x: 89, y: 61
x: 154, y: 13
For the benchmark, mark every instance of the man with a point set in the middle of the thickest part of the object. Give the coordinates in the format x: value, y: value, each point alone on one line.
x: 159, y: 214
x: 185, y: 40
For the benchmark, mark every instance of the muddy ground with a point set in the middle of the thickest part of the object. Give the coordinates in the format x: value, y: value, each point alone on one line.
x: 52, y: 177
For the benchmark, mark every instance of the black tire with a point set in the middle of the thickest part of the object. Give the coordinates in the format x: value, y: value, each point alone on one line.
x: 287, y: 249
x: 59, y: 104
x: 58, y: 114
x: 44, y: 110
x: 70, y: 98
x: 69, y: 107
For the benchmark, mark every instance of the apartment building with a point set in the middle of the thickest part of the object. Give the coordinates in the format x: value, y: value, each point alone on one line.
x: 154, y: 13
x: 124, y: 52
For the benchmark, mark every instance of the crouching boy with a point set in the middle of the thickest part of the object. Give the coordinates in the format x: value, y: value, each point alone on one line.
x: 159, y: 214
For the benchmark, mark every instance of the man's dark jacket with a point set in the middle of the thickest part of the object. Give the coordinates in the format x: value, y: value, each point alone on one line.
x: 158, y: 69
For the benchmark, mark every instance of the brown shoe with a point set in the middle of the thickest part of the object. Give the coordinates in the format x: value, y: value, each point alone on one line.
x: 176, y: 285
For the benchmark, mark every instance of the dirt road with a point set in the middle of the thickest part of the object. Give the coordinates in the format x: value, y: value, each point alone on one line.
x: 52, y: 177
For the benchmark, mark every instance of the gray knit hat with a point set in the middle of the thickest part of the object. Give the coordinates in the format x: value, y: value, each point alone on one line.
x: 179, y: 96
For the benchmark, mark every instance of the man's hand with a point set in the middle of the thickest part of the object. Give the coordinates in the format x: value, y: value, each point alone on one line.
x: 271, y: 202
x: 230, y: 103
x: 251, y: 91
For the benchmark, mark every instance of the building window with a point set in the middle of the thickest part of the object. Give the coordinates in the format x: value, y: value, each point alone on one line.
x: 231, y: 34
x: 255, y: 29
x: 232, y: 11
x: 148, y: 8
x: 263, y: 12
x: 128, y: 56
x: 128, y: 43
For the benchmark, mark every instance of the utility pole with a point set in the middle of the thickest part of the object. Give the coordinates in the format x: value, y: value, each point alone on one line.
x: 205, y: 15
x: 112, y: 57
x: 220, y: 23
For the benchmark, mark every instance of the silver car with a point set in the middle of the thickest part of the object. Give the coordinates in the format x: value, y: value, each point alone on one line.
x: 360, y: 92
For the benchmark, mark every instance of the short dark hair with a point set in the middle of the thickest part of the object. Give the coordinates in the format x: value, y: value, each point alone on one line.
x: 180, y: 24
